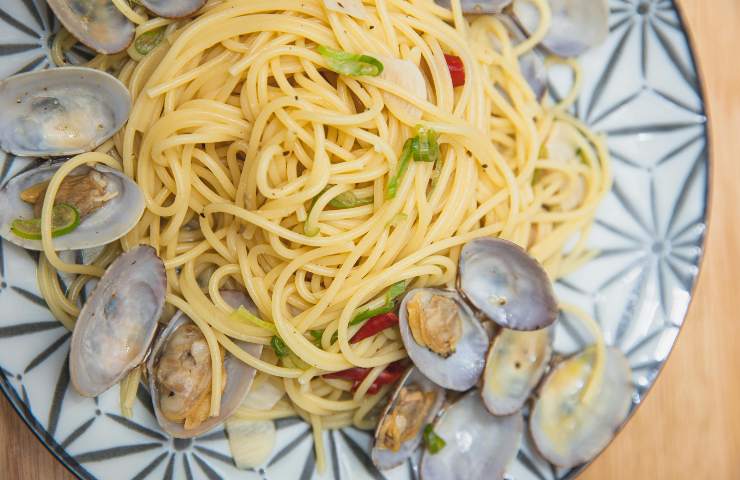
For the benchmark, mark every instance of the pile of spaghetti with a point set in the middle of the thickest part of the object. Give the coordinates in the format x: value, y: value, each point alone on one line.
x: 323, y: 157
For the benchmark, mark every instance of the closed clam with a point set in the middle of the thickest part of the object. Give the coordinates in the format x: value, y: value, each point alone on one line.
x: 412, y: 406
x: 96, y: 23
x: 180, y: 372
x: 577, y: 25
x: 118, y: 322
x: 477, y: 444
x: 442, y: 337
x: 109, y: 205
x: 173, y: 8
x: 506, y: 285
x: 61, y: 111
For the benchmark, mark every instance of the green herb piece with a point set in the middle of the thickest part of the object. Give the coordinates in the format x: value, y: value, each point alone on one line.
x: 316, y: 335
x: 582, y: 156
x: 349, y: 200
x: 242, y: 314
x: 64, y: 219
x: 280, y: 348
x: 351, y: 64
x: 433, y: 442
x: 425, y: 146
x: 393, y: 292
x: 146, y: 42
x: 403, y: 165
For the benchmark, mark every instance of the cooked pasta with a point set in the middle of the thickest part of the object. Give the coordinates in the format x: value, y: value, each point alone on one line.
x: 241, y: 139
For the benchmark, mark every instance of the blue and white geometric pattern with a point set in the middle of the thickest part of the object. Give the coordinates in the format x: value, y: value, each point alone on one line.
x: 640, y: 88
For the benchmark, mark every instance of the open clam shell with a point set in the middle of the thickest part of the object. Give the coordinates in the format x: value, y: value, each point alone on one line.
x: 117, y: 324
x: 108, y: 223
x: 384, y: 458
x: 478, y: 444
x: 507, y: 285
x: 96, y: 23
x: 577, y: 25
x: 239, y: 375
x: 173, y: 8
x: 459, y: 370
x: 515, y: 364
x: 61, y: 111
x: 566, y: 430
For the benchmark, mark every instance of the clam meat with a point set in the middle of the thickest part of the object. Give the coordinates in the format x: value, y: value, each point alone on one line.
x: 181, y: 372
x: 412, y: 406
x: 109, y: 205
x: 443, y: 337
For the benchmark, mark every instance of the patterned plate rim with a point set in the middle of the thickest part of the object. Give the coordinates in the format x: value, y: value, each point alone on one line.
x: 78, y: 471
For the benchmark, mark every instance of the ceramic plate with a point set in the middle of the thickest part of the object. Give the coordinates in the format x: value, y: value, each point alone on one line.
x: 641, y: 89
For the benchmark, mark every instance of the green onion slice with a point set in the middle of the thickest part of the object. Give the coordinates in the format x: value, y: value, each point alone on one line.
x: 393, y: 292
x: 146, y: 42
x: 433, y: 442
x: 351, y: 64
x: 280, y: 348
x: 242, y: 314
x: 425, y: 146
x: 64, y: 219
x: 349, y: 200
x: 403, y: 165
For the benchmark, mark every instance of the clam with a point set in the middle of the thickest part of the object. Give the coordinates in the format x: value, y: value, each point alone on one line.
x: 118, y: 322
x: 61, y: 111
x: 108, y: 202
x: 577, y: 25
x: 514, y: 366
x: 477, y: 7
x: 173, y: 8
x: 96, y: 23
x: 532, y: 63
x: 477, y: 444
x: 180, y: 376
x: 570, y: 428
x: 443, y: 338
x: 507, y: 285
x: 412, y: 406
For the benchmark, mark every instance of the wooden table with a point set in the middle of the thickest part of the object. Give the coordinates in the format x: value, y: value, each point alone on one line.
x: 689, y: 426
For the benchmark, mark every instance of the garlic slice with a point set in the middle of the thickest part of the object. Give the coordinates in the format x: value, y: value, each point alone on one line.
x: 408, y: 76
x: 251, y: 441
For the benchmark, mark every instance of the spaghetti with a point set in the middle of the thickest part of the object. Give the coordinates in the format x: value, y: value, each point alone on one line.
x: 241, y: 139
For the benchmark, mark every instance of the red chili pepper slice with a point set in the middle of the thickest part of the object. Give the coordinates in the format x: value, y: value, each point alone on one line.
x: 457, y: 70
x: 356, y: 374
x: 391, y: 374
x: 375, y: 325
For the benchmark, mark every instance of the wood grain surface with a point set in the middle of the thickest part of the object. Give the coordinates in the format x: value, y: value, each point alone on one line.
x: 689, y: 425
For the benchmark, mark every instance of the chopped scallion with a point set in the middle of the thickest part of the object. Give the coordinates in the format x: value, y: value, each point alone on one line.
x: 393, y: 292
x: 403, y: 165
x: 349, y: 200
x: 147, y: 41
x: 433, y: 442
x: 351, y: 64
x: 242, y: 314
x: 425, y: 146
x: 280, y: 348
